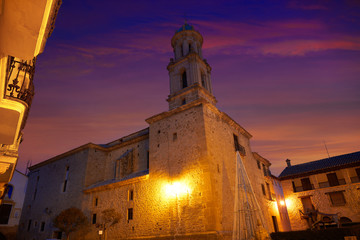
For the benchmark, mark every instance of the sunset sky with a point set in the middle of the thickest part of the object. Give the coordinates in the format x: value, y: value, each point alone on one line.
x: 287, y: 71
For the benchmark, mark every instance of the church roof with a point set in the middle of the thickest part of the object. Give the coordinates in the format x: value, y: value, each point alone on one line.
x: 323, y: 165
x: 185, y: 27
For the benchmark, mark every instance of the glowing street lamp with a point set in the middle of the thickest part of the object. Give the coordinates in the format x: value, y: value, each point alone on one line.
x: 176, y: 189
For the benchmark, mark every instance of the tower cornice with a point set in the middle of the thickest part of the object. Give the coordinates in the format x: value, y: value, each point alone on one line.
x: 183, y: 33
x: 194, y: 87
x: 189, y: 57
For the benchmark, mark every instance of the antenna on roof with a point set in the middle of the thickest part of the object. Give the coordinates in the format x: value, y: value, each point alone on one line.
x: 326, y: 149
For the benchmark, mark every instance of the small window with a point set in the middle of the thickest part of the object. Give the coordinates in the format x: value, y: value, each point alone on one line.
x: 42, y: 227
x: 29, y: 225
x: 5, y: 210
x: 333, y: 180
x: 94, y: 218
x: 96, y: 201
x: 337, y: 198
x: 268, y: 190
x: 174, y: 136
x: 131, y: 195
x: 130, y: 213
x: 36, y: 186
x: 236, y: 142
x: 258, y: 164
x: 66, y: 178
x: 264, y: 170
x: 184, y: 80
x: 275, y: 224
x: 306, y: 184
x: 147, y: 159
x: 293, y: 185
x: 9, y: 190
x: 357, y: 170
x: 183, y: 102
x: 203, y: 81
x: 263, y: 189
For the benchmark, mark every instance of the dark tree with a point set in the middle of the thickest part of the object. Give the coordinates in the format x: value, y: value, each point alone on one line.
x: 109, y: 218
x: 70, y: 220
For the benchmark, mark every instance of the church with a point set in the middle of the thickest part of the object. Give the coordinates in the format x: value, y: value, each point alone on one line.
x: 175, y: 179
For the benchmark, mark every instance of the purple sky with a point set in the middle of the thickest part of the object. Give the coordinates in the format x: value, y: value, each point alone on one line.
x: 287, y: 71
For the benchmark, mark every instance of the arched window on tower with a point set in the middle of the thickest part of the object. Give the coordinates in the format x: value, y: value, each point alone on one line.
x: 181, y: 51
x: 184, y: 80
x: 190, y: 48
x: 203, y: 80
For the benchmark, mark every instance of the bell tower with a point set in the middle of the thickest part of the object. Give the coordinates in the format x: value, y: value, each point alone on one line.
x: 189, y: 73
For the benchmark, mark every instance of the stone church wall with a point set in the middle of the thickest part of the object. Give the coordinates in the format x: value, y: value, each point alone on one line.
x: 48, y: 183
x: 220, y: 142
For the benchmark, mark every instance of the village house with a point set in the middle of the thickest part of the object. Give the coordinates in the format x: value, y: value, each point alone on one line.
x: 11, y: 207
x: 330, y: 185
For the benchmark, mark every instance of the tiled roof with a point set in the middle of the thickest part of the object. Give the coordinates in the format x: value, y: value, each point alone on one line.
x: 112, y: 181
x: 321, y: 165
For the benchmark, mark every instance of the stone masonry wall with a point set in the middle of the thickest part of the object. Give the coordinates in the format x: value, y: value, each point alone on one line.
x: 321, y: 201
x: 220, y: 145
x: 50, y: 199
x: 177, y: 160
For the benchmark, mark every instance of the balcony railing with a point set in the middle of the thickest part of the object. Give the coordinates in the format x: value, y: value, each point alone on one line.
x: 327, y: 184
x: 19, y: 80
x: 301, y: 188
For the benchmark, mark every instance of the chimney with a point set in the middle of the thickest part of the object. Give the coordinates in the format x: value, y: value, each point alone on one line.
x: 288, y: 162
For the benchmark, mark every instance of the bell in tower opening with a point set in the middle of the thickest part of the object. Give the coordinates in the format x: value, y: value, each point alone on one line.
x: 189, y: 73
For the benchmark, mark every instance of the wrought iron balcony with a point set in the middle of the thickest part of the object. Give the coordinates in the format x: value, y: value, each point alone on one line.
x: 302, y: 188
x: 19, y: 80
